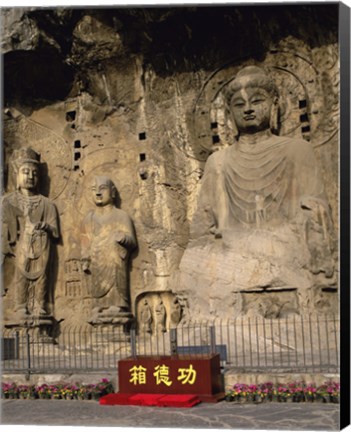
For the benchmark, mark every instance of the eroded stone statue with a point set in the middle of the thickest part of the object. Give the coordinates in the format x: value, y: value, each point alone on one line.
x: 263, y: 219
x: 30, y: 224
x: 176, y: 312
x: 145, y: 318
x: 161, y: 316
x: 108, y: 237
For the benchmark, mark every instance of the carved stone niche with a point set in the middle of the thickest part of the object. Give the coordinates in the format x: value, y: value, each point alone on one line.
x: 157, y: 312
x: 270, y: 303
x: 325, y: 300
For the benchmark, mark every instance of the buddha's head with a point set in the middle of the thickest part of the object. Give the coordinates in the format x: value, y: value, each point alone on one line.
x: 104, y: 191
x: 252, y: 99
x: 26, y: 166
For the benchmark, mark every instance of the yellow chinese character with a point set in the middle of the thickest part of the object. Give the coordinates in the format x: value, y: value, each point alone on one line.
x: 187, y: 375
x: 162, y: 375
x: 138, y: 375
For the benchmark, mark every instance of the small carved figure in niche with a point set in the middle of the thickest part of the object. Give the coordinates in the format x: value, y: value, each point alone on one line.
x: 237, y: 303
x: 30, y: 224
x: 176, y: 312
x: 184, y: 305
x: 107, y: 239
x: 161, y: 315
x: 322, y: 302
x: 263, y: 181
x: 145, y: 318
x: 270, y: 307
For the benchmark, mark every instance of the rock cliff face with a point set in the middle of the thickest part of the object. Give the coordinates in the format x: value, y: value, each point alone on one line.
x: 135, y: 95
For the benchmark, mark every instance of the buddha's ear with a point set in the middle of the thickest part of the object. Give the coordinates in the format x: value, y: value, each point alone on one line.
x: 232, y: 126
x: 113, y: 191
x: 274, y: 116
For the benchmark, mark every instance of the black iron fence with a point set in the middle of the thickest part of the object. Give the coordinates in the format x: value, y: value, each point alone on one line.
x: 295, y: 344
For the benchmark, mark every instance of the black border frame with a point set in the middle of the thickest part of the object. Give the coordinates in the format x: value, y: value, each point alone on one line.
x: 344, y: 41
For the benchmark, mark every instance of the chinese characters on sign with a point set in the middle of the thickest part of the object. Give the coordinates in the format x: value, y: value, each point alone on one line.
x: 138, y: 375
x: 200, y: 375
x: 187, y: 375
x: 162, y: 375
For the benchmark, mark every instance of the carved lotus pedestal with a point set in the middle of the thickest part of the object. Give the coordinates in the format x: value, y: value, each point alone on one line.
x: 39, y: 328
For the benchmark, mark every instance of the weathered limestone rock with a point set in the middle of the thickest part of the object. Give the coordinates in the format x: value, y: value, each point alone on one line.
x: 18, y: 31
x: 137, y: 95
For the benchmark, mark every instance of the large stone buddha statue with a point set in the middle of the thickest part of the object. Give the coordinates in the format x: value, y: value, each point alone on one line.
x: 262, y: 223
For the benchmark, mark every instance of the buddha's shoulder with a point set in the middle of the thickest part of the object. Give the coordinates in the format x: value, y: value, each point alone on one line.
x: 219, y: 156
x: 291, y: 140
x: 296, y: 147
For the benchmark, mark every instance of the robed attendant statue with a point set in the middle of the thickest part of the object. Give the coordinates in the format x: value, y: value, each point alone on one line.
x: 30, y: 225
x: 108, y: 237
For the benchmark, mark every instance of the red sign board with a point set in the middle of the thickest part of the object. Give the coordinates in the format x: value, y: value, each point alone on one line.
x: 191, y: 374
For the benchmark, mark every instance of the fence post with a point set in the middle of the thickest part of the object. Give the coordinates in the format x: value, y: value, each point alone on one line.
x: 28, y: 354
x: 16, y: 353
x: 133, y: 342
x: 173, y: 341
x: 212, y: 339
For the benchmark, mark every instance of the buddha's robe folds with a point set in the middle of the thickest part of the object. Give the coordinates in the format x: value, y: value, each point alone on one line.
x: 31, y: 246
x: 260, y: 185
x: 108, y: 259
x: 263, y: 219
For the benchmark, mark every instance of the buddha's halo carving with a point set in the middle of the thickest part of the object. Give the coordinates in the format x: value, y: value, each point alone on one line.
x: 56, y: 158
x: 306, y: 96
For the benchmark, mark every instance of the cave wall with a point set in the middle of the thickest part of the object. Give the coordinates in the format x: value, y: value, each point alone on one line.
x: 134, y: 93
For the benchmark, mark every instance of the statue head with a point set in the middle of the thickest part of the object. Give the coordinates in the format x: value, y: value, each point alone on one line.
x: 252, y: 99
x: 104, y: 191
x: 26, y: 166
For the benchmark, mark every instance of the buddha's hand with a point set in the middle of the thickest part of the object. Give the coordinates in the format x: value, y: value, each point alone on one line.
x: 120, y: 238
x: 86, y: 265
x: 42, y: 226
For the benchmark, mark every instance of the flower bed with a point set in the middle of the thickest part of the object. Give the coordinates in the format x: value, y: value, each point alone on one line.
x: 292, y: 392
x: 57, y: 391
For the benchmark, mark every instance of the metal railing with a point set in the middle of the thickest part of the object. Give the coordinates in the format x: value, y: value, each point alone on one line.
x: 295, y: 344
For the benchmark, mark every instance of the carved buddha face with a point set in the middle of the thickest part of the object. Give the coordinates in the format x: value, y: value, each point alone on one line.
x: 251, y: 109
x: 103, y: 191
x: 28, y: 177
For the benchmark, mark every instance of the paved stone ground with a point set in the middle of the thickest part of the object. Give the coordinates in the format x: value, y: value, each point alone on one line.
x: 223, y: 415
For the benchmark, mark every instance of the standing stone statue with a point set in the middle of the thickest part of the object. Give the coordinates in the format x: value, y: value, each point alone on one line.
x: 107, y: 239
x: 161, y: 315
x: 145, y: 318
x: 263, y: 219
x: 30, y: 224
x: 176, y: 312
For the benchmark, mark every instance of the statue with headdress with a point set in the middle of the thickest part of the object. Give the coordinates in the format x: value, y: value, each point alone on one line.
x: 30, y: 225
x: 263, y: 220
